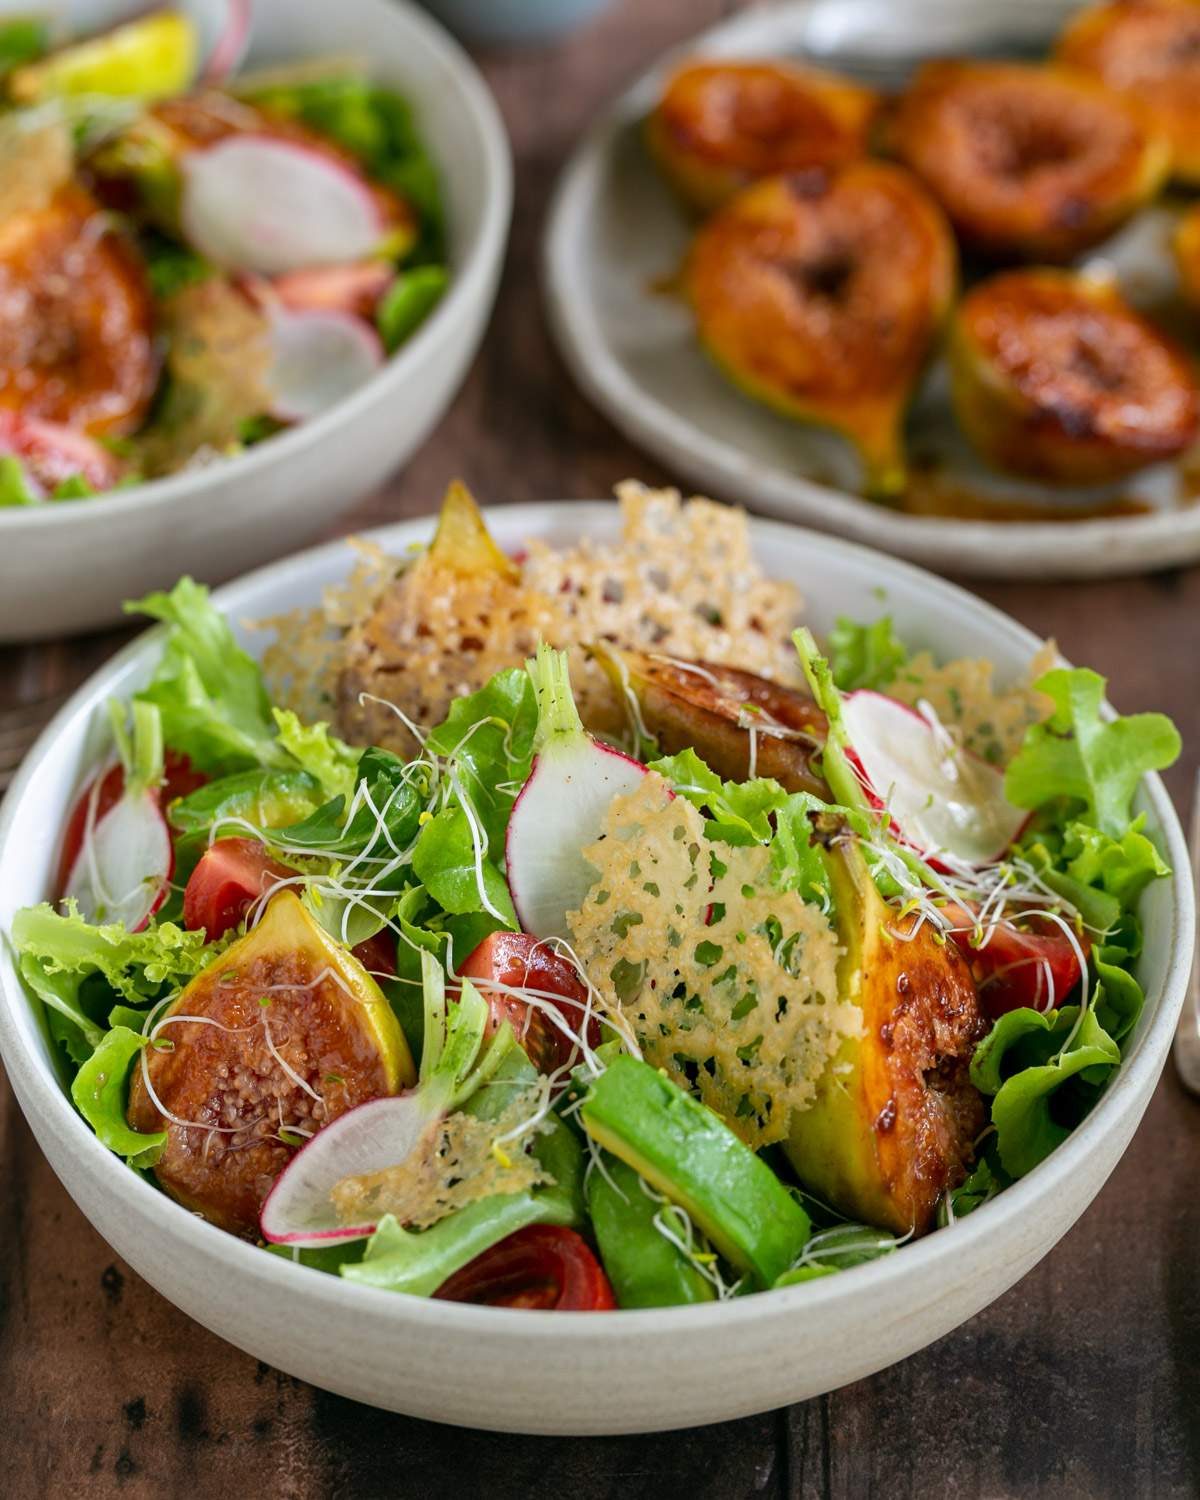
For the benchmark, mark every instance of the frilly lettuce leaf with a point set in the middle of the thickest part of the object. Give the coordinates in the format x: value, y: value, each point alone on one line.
x: 99, y: 1091
x: 1078, y: 755
x: 1030, y: 1059
x: 59, y: 955
x: 214, y: 704
x: 865, y: 656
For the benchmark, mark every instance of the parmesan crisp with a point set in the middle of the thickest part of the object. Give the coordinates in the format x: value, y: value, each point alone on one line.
x: 453, y: 1164
x: 990, y: 721
x: 680, y: 580
x: 729, y: 984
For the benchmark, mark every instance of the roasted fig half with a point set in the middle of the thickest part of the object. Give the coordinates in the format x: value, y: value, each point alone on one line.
x: 279, y: 1035
x: 821, y: 294
x: 739, y: 724
x: 1056, y: 377
x: 721, y: 125
x: 896, y: 1115
x: 1186, y: 245
x: 1151, y: 52
x: 1032, y: 162
x: 76, y: 318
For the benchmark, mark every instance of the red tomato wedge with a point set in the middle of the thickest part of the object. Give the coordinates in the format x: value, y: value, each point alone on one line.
x: 378, y: 954
x: 232, y: 874
x: 542, y: 1267
x: 1032, y: 966
x: 517, y: 960
x: 179, y: 778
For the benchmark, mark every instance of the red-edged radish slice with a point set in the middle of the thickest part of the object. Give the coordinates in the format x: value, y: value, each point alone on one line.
x: 455, y: 1061
x: 354, y: 289
x: 318, y: 358
x: 231, y: 46
x: 52, y: 452
x: 123, y: 870
x: 258, y: 203
x: 561, y: 807
x: 943, y: 800
x: 299, y: 1209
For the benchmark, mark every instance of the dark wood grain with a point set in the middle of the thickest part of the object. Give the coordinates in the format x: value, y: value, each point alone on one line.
x: 1082, y: 1381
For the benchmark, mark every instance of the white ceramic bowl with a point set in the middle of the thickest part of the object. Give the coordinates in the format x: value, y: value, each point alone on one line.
x: 615, y: 233
x: 66, y: 568
x: 574, y: 1372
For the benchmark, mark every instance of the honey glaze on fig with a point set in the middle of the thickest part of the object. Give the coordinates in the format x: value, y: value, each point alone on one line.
x: 1150, y: 51
x: 930, y: 1112
x: 76, y: 318
x: 721, y: 125
x: 821, y: 295
x: 1055, y: 376
x: 274, y: 1052
x: 1030, y: 161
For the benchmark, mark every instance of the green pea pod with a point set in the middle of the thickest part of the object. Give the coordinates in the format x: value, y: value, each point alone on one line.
x: 645, y: 1268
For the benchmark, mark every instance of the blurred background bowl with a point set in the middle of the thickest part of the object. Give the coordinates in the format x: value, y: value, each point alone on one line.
x: 66, y: 568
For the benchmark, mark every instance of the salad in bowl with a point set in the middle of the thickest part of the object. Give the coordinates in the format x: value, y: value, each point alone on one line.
x: 570, y: 929
x: 194, y: 258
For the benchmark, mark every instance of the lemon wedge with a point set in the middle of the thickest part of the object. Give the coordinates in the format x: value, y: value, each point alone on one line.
x: 150, y: 58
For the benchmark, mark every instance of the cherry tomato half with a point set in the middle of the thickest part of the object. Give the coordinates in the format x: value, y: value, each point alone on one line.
x: 518, y: 960
x: 542, y: 1267
x: 179, y: 778
x: 1021, y: 966
x: 231, y: 875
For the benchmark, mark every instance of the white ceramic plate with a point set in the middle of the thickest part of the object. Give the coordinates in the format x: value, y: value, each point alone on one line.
x: 615, y: 233
x: 66, y: 568
x: 575, y: 1372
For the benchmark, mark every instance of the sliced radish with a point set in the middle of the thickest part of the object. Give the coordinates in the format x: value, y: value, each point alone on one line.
x: 561, y: 807
x: 52, y: 452
x: 299, y: 1209
x: 354, y: 289
x: 258, y: 203
x: 318, y: 358
x: 231, y: 45
x: 122, y: 871
x: 943, y: 799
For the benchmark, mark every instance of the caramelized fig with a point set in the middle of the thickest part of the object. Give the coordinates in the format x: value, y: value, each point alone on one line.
x: 279, y: 1035
x: 1186, y: 245
x: 739, y: 724
x: 1029, y: 161
x: 821, y: 294
x: 896, y: 1115
x: 1151, y: 52
x: 721, y: 125
x: 1056, y: 377
x: 76, y: 318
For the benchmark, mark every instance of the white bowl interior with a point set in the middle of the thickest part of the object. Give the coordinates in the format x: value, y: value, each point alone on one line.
x: 847, y: 1325
x: 616, y: 235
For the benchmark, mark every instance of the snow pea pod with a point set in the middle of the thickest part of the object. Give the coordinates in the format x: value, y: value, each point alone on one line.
x: 645, y: 1268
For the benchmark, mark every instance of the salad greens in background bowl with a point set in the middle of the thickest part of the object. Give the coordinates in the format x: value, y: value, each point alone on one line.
x: 274, y: 233
x: 871, y: 823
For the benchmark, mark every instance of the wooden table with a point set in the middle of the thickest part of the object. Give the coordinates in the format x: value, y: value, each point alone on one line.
x: 1083, y: 1381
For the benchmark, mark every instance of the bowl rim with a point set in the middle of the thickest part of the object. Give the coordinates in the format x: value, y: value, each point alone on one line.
x: 1136, y: 1075
x: 481, y: 257
x: 995, y: 548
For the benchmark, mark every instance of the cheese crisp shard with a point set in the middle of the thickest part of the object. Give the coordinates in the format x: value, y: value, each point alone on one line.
x: 730, y: 985
x: 454, y: 1163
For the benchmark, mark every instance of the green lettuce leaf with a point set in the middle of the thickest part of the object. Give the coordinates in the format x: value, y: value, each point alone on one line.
x: 456, y: 871
x: 865, y: 656
x: 14, y: 486
x: 1045, y: 1072
x: 60, y: 954
x: 99, y: 1091
x: 214, y: 704
x: 1078, y: 755
x: 408, y: 302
